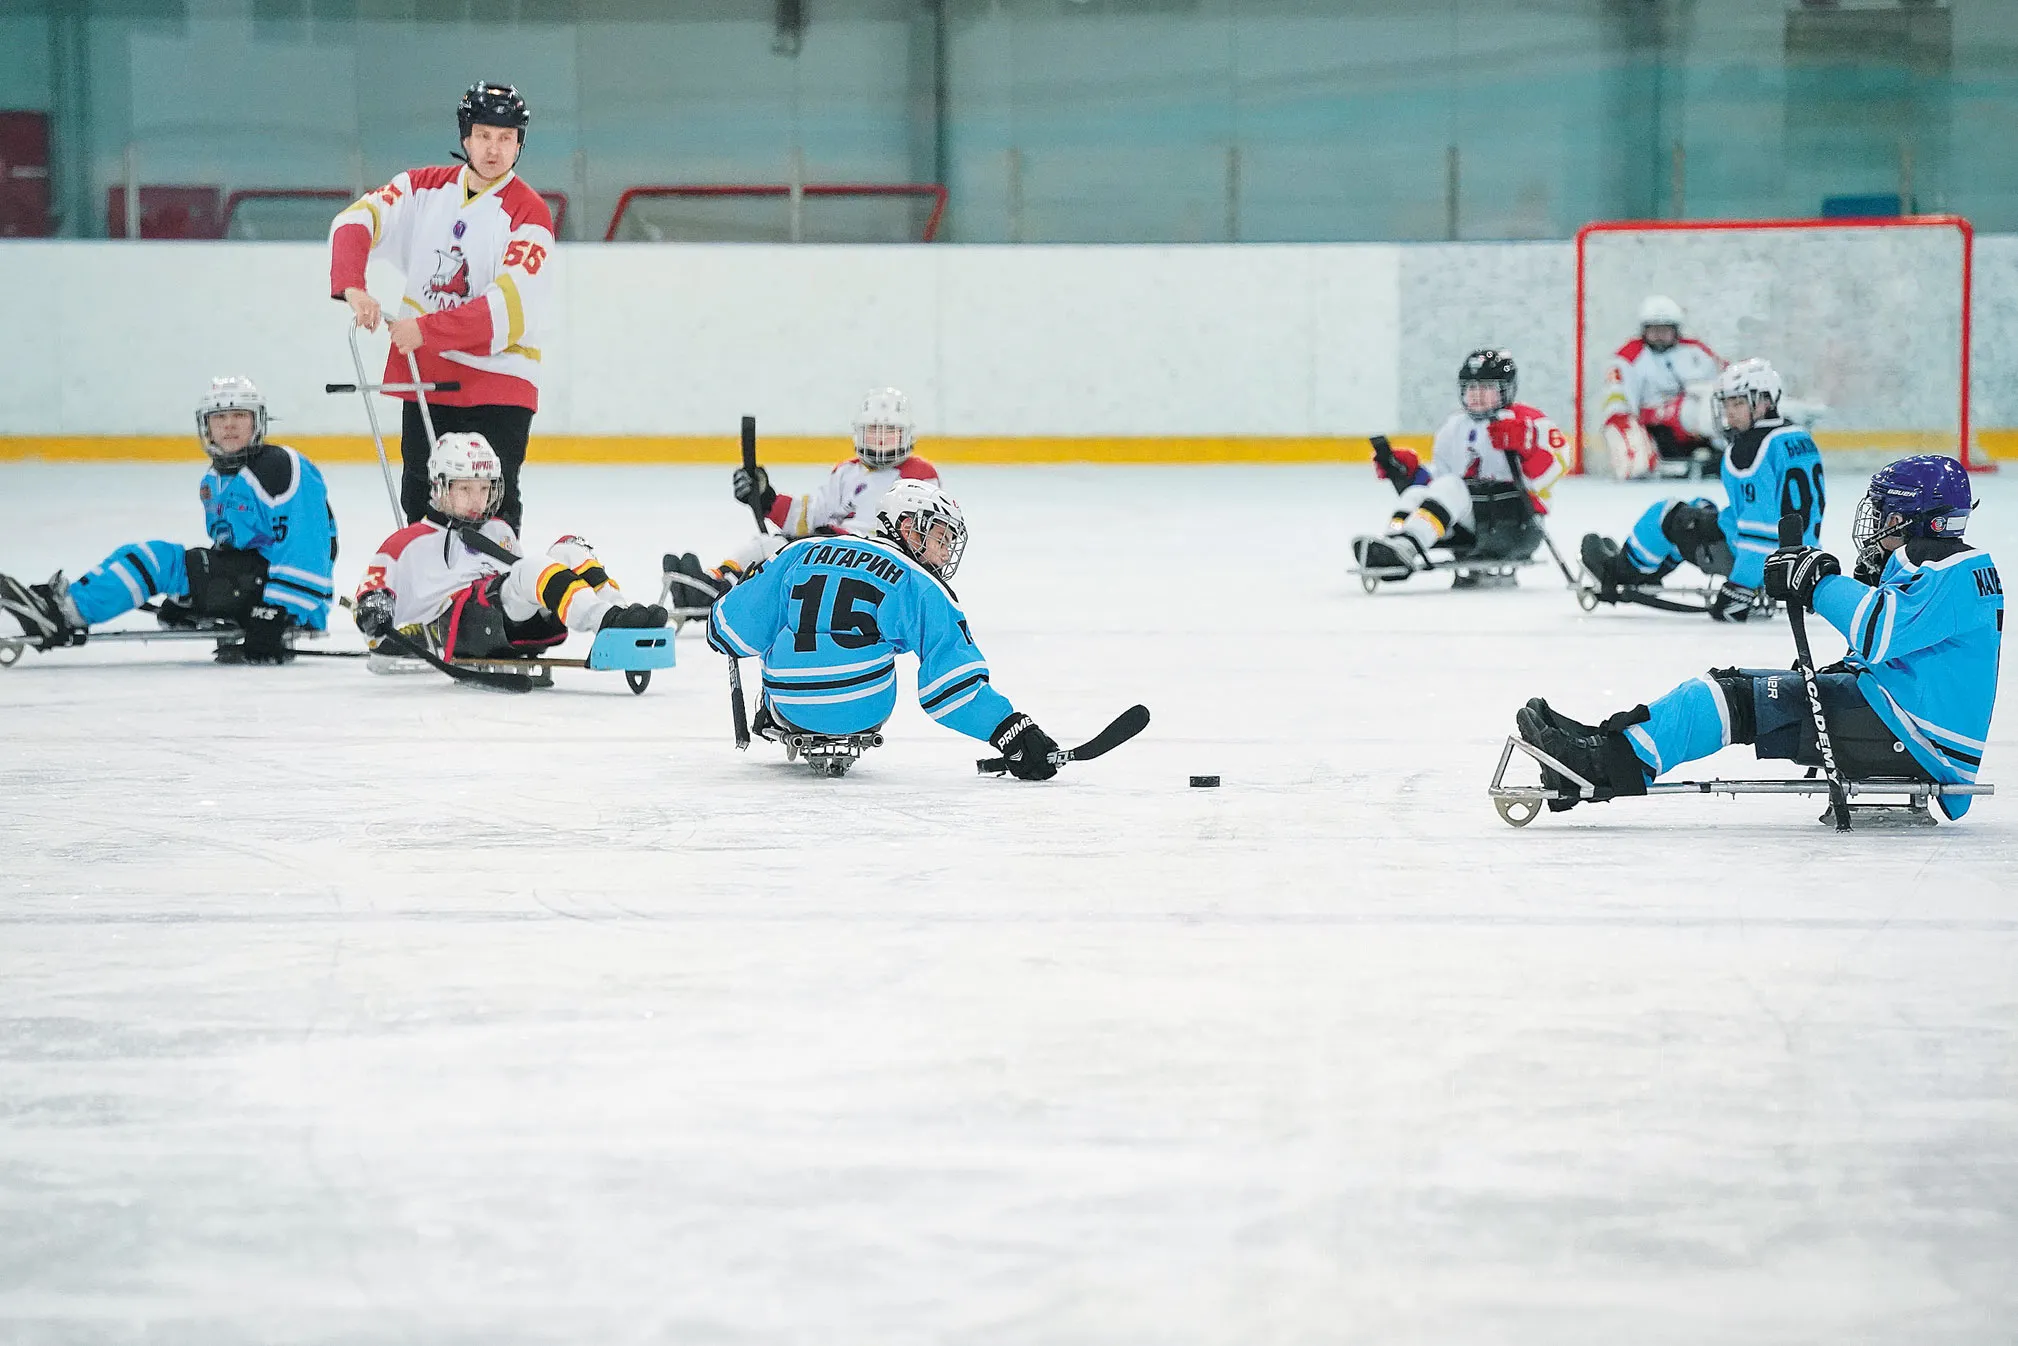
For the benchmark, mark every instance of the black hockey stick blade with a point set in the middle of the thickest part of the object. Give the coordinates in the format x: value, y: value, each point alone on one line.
x: 739, y: 714
x: 476, y: 677
x: 1794, y: 526
x: 1126, y: 725
x: 750, y: 465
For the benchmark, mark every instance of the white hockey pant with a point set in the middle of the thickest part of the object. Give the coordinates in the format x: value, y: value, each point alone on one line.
x: 756, y: 551
x: 1428, y: 513
x: 569, y: 582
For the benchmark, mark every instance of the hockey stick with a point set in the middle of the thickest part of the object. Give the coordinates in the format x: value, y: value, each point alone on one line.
x: 1383, y: 454
x: 474, y: 538
x: 497, y: 682
x: 1126, y: 725
x: 1513, y: 463
x: 739, y: 713
x: 1792, y: 528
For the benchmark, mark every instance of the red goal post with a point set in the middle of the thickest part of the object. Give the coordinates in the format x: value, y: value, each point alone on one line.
x: 1870, y: 316
x: 828, y: 212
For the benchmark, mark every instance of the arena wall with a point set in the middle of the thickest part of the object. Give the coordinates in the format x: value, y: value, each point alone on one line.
x: 1053, y: 353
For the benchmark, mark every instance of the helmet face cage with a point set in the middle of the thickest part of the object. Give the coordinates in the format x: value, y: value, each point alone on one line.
x: 1492, y: 369
x: 924, y: 519
x: 884, y: 430
x: 1755, y: 381
x: 464, y: 458
x: 233, y: 394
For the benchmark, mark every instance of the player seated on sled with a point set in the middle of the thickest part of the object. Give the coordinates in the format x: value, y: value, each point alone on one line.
x: 428, y: 583
x: 1481, y: 495
x: 266, y: 573
x: 1923, y: 615
x: 1771, y: 468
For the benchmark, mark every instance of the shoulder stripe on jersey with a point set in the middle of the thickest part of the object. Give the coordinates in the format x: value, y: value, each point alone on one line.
x: 522, y: 205
x: 917, y: 469
x: 397, y: 543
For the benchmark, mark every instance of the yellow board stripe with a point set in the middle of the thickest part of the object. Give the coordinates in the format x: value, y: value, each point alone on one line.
x: 722, y: 449
x: 515, y: 309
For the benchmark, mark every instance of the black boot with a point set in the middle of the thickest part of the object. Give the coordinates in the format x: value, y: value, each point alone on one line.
x: 1562, y: 722
x: 45, y: 613
x: 690, y: 589
x: 1394, y: 552
x: 1605, y: 758
x: 638, y: 616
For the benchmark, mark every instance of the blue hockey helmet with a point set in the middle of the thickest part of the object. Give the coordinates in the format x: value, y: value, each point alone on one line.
x: 1923, y: 496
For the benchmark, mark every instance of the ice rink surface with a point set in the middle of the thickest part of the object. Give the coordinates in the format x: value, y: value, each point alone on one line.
x: 340, y: 1008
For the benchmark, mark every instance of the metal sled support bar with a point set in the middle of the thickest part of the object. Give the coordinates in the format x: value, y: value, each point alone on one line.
x: 1518, y: 804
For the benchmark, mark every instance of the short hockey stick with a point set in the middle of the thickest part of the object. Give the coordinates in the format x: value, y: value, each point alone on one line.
x: 497, y: 682
x: 1513, y: 463
x: 1792, y: 528
x: 739, y: 713
x: 1126, y: 725
x: 475, y: 539
x: 1383, y: 454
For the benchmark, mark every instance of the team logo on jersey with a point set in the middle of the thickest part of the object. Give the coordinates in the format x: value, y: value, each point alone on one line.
x: 450, y: 285
x: 460, y: 226
x: 203, y: 492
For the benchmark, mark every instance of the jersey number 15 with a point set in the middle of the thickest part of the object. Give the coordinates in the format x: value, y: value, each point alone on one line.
x: 850, y: 626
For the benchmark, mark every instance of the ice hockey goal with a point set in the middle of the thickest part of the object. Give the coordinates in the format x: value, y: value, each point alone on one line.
x: 827, y: 212
x: 1870, y: 317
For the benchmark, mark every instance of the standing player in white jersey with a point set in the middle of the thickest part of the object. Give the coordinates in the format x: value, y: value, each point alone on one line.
x: 1656, y: 404
x: 885, y: 435
x: 473, y: 244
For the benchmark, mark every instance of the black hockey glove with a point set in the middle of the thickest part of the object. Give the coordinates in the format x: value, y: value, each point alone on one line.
x: 176, y: 614
x: 1732, y: 602
x: 374, y: 613
x: 1793, y: 572
x: 266, y: 636
x: 1027, y: 748
x: 753, y: 487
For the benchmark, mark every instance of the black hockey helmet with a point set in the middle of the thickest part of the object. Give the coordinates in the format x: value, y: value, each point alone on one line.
x: 1493, y: 368
x: 489, y: 103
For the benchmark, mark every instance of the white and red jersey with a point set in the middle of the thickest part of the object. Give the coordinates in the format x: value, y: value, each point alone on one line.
x: 425, y: 565
x: 1645, y: 384
x: 846, y: 501
x: 1477, y: 450
x: 475, y: 267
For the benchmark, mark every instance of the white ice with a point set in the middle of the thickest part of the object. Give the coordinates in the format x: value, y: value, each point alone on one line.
x: 343, y: 1008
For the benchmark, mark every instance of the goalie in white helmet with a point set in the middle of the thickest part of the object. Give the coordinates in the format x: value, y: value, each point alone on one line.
x: 885, y: 438
x: 266, y: 571
x: 428, y: 582
x: 1655, y: 398
x: 828, y: 617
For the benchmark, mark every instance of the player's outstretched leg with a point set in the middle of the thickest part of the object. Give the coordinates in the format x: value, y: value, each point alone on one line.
x: 44, y: 615
x: 534, y: 586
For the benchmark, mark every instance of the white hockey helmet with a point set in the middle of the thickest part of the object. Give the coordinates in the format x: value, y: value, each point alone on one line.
x: 464, y: 457
x: 927, y: 507
x: 884, y: 430
x: 1755, y: 381
x: 1657, y: 310
x: 231, y: 392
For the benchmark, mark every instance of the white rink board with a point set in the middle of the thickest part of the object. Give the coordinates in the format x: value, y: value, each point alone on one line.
x: 342, y: 1008
x: 1865, y: 320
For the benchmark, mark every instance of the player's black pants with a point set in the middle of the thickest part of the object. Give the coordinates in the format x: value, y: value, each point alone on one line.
x: 507, y: 429
x: 1769, y: 709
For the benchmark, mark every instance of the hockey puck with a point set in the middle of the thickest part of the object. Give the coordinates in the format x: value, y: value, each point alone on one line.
x: 1205, y: 782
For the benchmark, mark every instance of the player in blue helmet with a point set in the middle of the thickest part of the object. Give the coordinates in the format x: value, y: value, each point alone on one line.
x: 1924, y: 618
x: 267, y: 570
x: 1772, y: 467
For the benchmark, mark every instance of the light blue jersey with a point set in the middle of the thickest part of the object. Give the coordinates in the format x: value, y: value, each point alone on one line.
x: 1925, y: 645
x: 829, y: 616
x: 1780, y: 474
x: 1770, y: 470
x: 275, y: 505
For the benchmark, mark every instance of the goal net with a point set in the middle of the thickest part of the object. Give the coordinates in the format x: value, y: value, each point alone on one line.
x: 775, y: 213
x: 1868, y: 317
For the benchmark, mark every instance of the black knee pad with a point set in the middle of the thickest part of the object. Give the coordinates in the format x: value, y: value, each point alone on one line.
x: 1692, y: 526
x: 1738, y: 689
x: 224, y: 582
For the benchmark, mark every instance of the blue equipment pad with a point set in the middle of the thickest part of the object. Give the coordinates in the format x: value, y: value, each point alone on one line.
x: 632, y: 648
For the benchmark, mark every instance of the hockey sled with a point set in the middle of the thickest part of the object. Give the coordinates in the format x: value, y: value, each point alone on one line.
x: 1518, y: 805
x: 1694, y: 599
x: 1469, y: 569
x: 213, y: 632
x: 636, y: 652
